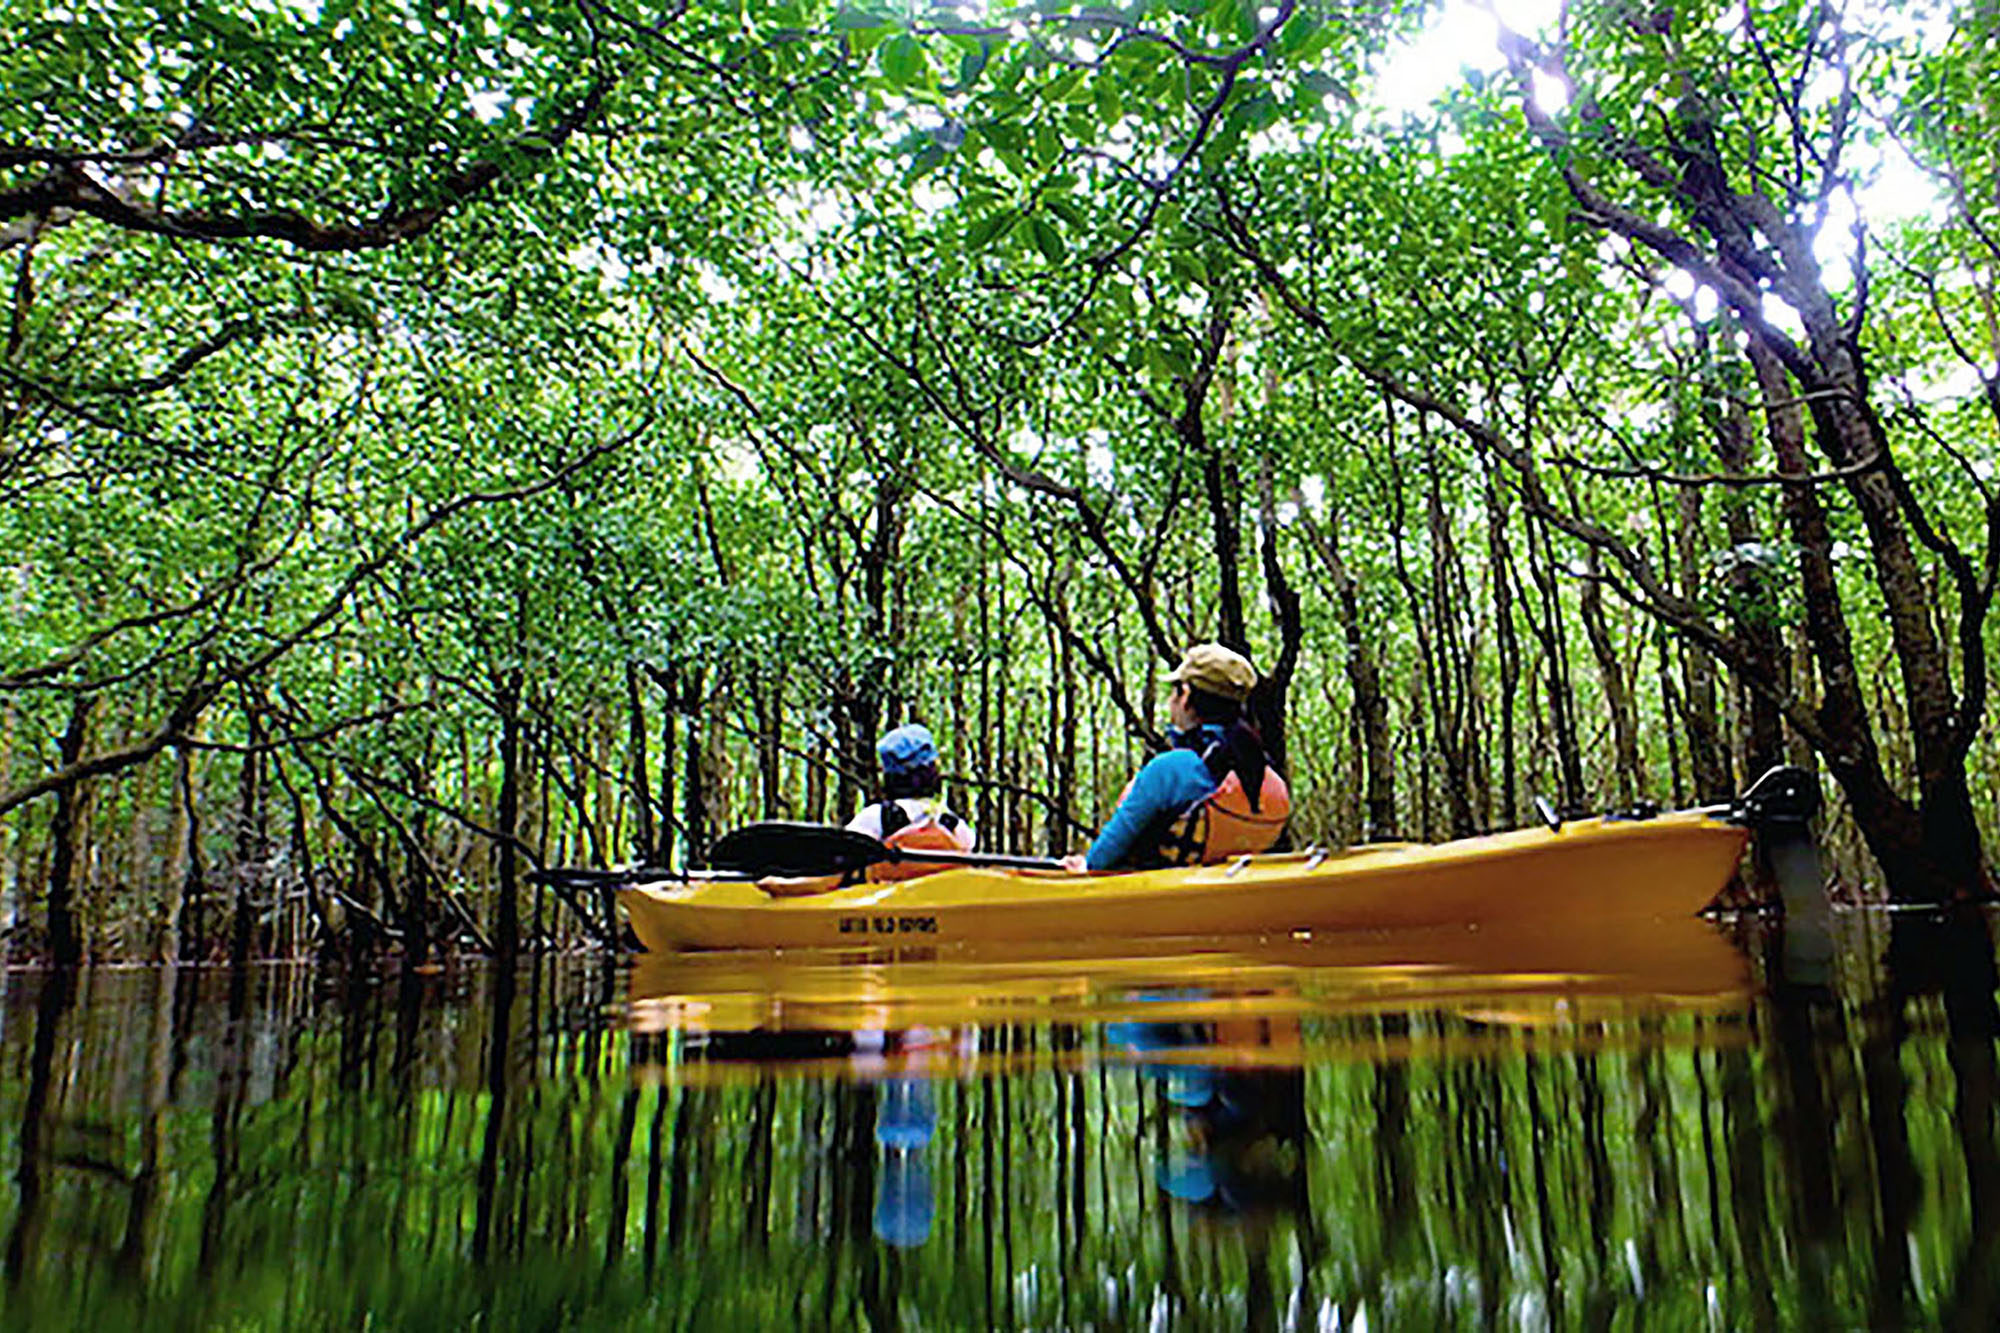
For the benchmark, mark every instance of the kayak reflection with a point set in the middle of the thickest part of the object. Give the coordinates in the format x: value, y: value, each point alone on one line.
x: 718, y: 1016
x: 1219, y: 1040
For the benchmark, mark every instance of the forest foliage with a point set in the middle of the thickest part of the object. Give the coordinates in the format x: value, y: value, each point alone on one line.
x: 440, y: 441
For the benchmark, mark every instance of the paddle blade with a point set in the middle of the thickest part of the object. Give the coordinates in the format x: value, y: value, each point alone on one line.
x: 779, y: 848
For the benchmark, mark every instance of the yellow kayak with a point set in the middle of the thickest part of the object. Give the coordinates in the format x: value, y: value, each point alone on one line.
x: 1667, y: 866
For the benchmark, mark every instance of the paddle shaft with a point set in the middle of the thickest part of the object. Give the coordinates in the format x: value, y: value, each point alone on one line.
x: 611, y: 879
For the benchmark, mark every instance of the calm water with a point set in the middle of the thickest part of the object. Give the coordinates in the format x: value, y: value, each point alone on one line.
x: 1680, y: 1127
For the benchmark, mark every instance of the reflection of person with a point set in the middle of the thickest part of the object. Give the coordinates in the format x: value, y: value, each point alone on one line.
x: 905, y: 1115
x: 1213, y: 794
x: 1235, y: 1135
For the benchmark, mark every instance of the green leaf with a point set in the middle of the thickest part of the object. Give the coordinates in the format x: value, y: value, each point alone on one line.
x: 925, y: 162
x: 860, y: 20
x: 971, y: 65
x: 981, y: 232
x: 1049, y: 241
x: 1109, y: 104
x: 903, y: 61
x: 1048, y: 147
x: 1121, y: 294
x: 1062, y: 85
x: 1220, y: 148
x: 1064, y: 209
x: 1004, y: 135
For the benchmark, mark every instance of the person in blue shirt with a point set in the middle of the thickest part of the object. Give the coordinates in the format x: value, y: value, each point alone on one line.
x: 1213, y: 793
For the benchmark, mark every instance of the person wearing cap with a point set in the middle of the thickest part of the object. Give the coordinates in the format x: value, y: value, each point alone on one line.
x: 910, y: 816
x: 1213, y: 794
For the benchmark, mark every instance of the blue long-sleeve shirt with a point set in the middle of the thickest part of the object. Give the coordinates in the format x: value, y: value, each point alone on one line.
x: 1167, y: 785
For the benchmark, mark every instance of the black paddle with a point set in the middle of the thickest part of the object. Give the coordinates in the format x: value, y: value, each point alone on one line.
x: 779, y: 848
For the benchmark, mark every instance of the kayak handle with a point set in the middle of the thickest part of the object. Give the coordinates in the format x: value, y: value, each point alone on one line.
x: 1547, y: 810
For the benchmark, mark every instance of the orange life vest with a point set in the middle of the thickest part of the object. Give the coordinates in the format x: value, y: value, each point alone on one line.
x: 1225, y: 823
x: 929, y: 832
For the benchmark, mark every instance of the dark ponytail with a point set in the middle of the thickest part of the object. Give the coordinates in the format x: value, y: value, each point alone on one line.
x: 1241, y: 751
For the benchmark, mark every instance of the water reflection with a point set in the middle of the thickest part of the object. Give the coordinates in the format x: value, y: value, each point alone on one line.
x: 903, y: 1124
x: 1445, y: 1130
x: 829, y: 1011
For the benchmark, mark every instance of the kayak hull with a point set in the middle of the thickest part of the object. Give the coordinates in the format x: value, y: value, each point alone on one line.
x: 1669, y: 866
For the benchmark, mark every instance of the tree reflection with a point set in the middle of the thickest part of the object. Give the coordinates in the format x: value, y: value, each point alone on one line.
x: 469, y: 1148
x: 30, y: 1172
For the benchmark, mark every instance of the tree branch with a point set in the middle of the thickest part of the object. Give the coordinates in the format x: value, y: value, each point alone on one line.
x: 72, y: 186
